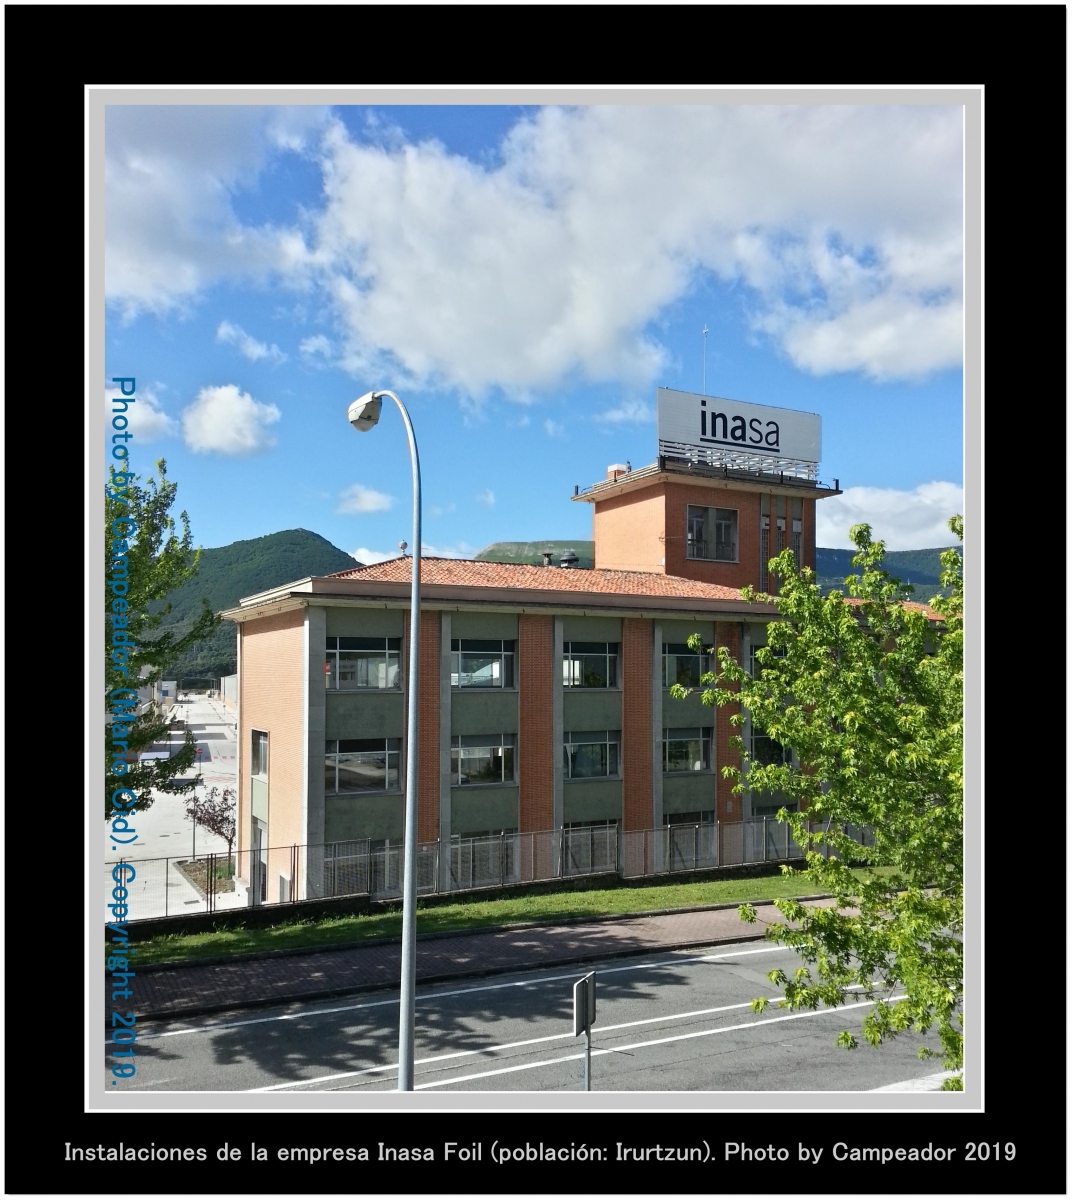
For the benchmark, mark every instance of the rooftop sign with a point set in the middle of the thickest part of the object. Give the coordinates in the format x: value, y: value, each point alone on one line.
x: 751, y: 437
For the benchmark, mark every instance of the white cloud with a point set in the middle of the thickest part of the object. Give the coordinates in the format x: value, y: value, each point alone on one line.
x: 225, y: 420
x: 368, y: 557
x: 171, y: 172
x: 318, y: 345
x: 842, y: 222
x: 486, y: 497
x: 840, y: 225
x: 458, y: 550
x: 914, y: 520
x: 146, y: 420
x: 629, y: 411
x: 440, y: 510
x: 553, y: 428
x: 357, y: 499
x: 248, y: 347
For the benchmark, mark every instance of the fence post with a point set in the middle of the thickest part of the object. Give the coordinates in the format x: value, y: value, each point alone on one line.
x: 502, y: 857
x: 764, y: 839
x: 167, y: 869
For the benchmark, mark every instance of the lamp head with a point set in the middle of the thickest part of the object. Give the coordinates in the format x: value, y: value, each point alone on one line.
x: 364, y: 412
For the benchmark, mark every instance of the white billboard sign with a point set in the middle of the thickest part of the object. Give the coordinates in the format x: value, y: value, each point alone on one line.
x: 732, y: 433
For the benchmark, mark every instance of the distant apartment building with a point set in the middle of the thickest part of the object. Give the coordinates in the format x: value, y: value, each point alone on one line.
x: 544, y: 690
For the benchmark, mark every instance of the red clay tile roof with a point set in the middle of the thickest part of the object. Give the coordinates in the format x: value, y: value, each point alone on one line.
x: 461, y: 572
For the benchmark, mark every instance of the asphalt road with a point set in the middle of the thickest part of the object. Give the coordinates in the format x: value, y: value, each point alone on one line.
x: 679, y: 1021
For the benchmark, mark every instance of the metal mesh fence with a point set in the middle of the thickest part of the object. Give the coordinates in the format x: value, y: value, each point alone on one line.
x: 159, y: 887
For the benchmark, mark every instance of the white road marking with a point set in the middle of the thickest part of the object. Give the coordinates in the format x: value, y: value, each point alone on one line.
x: 680, y: 1037
x: 491, y: 987
x: 554, y: 1037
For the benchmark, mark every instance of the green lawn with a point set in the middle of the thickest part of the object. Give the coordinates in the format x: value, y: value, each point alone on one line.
x: 338, y: 931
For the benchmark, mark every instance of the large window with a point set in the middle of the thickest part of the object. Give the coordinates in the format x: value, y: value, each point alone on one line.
x: 259, y: 757
x: 590, y: 665
x: 481, y: 664
x: 711, y: 533
x: 362, y: 765
x: 362, y: 662
x: 591, y: 755
x: 686, y: 750
x: 682, y: 665
x: 483, y: 758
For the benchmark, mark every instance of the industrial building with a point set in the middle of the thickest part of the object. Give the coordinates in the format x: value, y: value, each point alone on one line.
x: 544, y: 690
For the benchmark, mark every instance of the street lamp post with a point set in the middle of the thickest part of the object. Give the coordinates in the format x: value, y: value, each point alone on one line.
x: 363, y: 414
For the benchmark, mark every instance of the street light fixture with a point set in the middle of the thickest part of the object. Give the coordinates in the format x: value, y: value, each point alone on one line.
x: 363, y: 414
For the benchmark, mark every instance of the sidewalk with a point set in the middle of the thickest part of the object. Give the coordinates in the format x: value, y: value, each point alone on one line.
x: 189, y: 989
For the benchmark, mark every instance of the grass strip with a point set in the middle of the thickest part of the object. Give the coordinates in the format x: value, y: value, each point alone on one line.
x: 467, y: 915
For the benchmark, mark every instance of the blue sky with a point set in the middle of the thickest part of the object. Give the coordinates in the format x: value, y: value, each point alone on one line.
x: 524, y: 278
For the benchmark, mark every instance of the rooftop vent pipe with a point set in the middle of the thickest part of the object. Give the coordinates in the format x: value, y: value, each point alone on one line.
x: 569, y: 559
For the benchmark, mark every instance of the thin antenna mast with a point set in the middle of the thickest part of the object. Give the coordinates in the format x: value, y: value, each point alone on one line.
x: 704, y: 332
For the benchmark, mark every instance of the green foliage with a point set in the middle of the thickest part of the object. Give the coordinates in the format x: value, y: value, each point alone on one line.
x: 226, y: 574
x: 159, y: 560
x: 869, y: 694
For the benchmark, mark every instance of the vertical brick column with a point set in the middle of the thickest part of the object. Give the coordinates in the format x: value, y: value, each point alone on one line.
x: 535, y: 737
x: 636, y: 724
x: 728, y: 806
x: 807, y: 536
x: 428, y: 729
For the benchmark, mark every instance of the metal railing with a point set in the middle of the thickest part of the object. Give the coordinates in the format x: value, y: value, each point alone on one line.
x: 162, y: 887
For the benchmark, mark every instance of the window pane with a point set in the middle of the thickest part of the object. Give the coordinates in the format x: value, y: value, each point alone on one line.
x: 363, y: 772
x: 593, y: 670
x: 329, y: 774
x: 480, y: 670
x: 766, y: 751
x: 725, y: 534
x: 589, y: 760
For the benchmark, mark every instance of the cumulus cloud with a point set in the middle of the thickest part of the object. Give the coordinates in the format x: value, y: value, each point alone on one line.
x: 628, y: 412
x: 225, y: 420
x: 486, y: 497
x: 248, y: 346
x: 553, y: 428
x: 914, y: 520
x: 147, y: 421
x: 840, y: 225
x: 368, y: 557
x: 842, y: 222
x: 171, y: 174
x: 314, y: 347
x: 358, y: 499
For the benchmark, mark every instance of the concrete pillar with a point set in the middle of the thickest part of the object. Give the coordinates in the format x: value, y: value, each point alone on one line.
x: 728, y: 806
x: 636, y: 723
x: 315, y: 693
x: 429, y: 767
x: 444, y: 751
x: 557, y: 732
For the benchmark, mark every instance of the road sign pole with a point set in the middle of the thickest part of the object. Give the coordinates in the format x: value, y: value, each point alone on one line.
x: 584, y: 1015
x: 587, y: 1061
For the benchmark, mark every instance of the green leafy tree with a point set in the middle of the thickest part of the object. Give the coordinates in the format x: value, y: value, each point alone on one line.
x: 867, y: 688
x: 157, y: 560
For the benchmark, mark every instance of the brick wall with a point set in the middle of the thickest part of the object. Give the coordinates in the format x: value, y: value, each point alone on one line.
x: 728, y: 805
x: 428, y: 728
x: 272, y: 700
x: 636, y: 724
x: 736, y: 575
x: 627, y: 531
x: 807, y: 540
x: 535, y: 739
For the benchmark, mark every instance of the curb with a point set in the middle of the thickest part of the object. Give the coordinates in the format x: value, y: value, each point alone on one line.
x: 259, y: 955
x: 198, y: 1010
